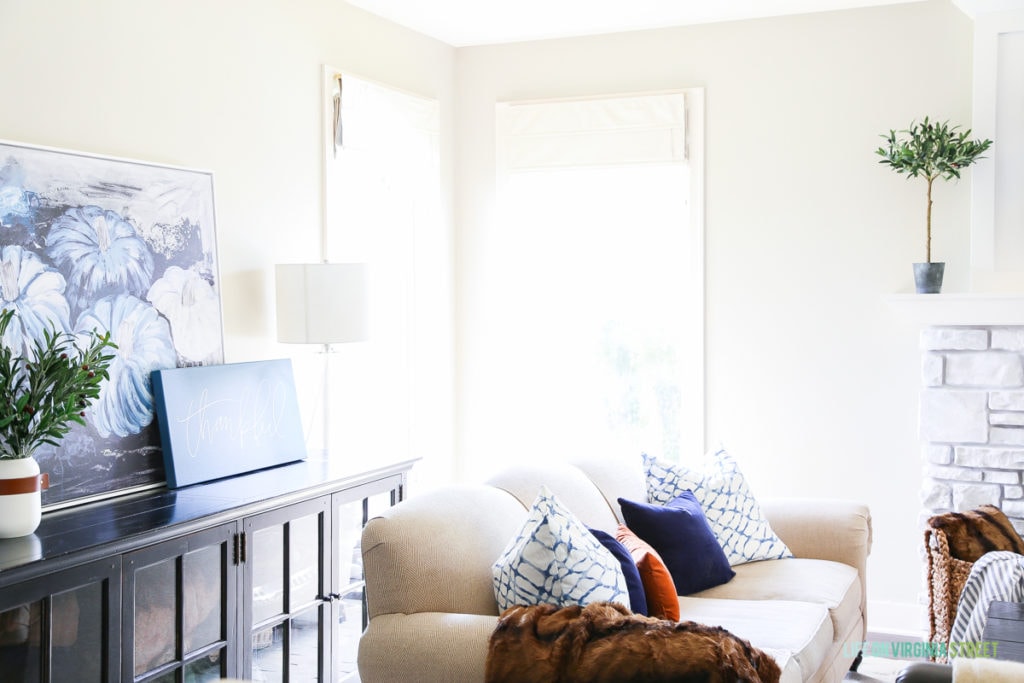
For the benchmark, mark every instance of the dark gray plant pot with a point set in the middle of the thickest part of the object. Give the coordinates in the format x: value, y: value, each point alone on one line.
x: 928, y: 277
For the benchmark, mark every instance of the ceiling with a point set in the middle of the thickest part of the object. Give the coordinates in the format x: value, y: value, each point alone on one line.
x: 479, y: 22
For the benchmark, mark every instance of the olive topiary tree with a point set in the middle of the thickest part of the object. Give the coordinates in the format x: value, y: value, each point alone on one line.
x: 931, y: 150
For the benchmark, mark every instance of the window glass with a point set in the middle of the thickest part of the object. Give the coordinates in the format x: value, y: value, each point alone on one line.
x: 383, y: 208
x: 594, y: 343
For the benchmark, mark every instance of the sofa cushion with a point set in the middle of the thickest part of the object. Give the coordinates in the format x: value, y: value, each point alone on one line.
x: 555, y: 560
x: 681, y: 535
x: 634, y: 584
x: 615, y: 478
x: 834, y: 585
x: 787, y: 662
x: 570, y: 484
x: 659, y: 589
x: 730, y: 507
x: 800, y: 628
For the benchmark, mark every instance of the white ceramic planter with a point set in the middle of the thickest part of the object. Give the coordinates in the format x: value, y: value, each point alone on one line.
x: 20, y: 512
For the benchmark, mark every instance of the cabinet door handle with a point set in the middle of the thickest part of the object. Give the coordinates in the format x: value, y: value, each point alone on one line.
x: 239, y: 548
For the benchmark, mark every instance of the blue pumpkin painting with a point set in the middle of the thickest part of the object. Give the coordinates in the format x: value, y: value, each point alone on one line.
x: 92, y: 243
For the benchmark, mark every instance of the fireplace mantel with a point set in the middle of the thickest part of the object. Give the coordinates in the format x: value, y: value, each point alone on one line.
x: 929, y: 310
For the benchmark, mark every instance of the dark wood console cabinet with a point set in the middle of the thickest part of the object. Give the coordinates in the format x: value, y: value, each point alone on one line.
x: 256, y: 577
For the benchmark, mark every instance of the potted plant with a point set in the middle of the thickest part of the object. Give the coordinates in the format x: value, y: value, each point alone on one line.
x: 930, y: 150
x: 41, y: 394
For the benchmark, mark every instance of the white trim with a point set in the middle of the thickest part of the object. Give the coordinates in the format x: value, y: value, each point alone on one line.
x: 988, y: 28
x: 695, y: 139
x: 976, y: 8
x: 959, y: 309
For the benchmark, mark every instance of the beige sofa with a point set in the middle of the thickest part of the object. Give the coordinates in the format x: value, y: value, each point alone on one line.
x: 431, y: 601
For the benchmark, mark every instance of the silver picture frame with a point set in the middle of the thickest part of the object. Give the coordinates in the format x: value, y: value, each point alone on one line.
x: 91, y: 242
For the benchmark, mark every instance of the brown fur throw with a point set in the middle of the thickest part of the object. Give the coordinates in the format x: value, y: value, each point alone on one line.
x: 972, y: 534
x: 606, y: 643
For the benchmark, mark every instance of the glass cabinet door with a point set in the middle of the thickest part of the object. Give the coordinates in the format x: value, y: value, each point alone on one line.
x: 286, y: 580
x: 179, y: 609
x: 353, y: 509
x: 350, y: 518
x: 62, y: 627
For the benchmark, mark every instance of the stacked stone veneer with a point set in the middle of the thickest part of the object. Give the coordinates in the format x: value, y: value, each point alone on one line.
x: 972, y: 419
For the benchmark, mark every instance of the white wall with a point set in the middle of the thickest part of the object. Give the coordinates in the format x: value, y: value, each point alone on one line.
x: 231, y: 86
x: 805, y: 233
x: 812, y: 380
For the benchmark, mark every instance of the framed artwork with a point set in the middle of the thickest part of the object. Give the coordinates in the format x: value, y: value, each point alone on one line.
x: 228, y: 419
x: 98, y: 243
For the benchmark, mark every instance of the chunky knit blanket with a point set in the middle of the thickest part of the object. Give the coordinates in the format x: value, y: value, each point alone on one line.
x: 606, y: 643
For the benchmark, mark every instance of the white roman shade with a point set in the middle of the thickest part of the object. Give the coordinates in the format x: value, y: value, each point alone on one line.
x: 632, y: 129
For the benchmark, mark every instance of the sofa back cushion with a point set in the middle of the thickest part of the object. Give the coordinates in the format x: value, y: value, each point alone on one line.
x: 615, y: 478
x: 568, y: 483
x: 433, y: 552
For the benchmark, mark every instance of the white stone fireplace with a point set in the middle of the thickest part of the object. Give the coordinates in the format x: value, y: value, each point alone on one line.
x: 972, y: 344
x: 972, y: 418
x: 971, y: 407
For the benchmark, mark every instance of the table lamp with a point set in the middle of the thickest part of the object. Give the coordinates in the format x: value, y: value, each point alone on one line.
x: 322, y: 303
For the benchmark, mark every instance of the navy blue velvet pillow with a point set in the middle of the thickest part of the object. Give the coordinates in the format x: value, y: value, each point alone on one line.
x: 635, y: 588
x: 681, y: 535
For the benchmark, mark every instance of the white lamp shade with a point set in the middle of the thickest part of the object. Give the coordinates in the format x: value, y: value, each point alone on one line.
x: 321, y: 303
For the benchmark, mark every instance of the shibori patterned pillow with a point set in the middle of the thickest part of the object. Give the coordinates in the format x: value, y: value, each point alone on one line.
x: 731, y: 509
x: 554, y: 559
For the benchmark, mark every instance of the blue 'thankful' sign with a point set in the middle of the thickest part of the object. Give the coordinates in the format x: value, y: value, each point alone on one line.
x: 221, y: 420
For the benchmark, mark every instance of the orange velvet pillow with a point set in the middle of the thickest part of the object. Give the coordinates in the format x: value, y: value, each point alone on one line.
x: 662, y: 601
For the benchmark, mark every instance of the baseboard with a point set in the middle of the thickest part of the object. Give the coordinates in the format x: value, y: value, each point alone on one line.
x: 897, y: 621
x: 882, y: 636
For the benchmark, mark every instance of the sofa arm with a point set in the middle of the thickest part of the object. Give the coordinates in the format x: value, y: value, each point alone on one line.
x: 822, y: 529
x: 825, y: 530
x: 433, y: 552
x: 428, y: 647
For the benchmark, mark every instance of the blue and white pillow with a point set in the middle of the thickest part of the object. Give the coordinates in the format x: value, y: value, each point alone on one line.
x: 555, y: 560
x: 731, y: 509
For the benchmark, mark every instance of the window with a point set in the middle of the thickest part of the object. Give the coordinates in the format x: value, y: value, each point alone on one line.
x: 383, y: 207
x: 595, y: 282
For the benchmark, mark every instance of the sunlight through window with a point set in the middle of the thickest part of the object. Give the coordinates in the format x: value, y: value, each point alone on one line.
x: 596, y: 275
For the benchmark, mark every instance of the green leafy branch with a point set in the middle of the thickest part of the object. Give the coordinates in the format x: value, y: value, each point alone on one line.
x: 931, y: 150
x: 43, y: 394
